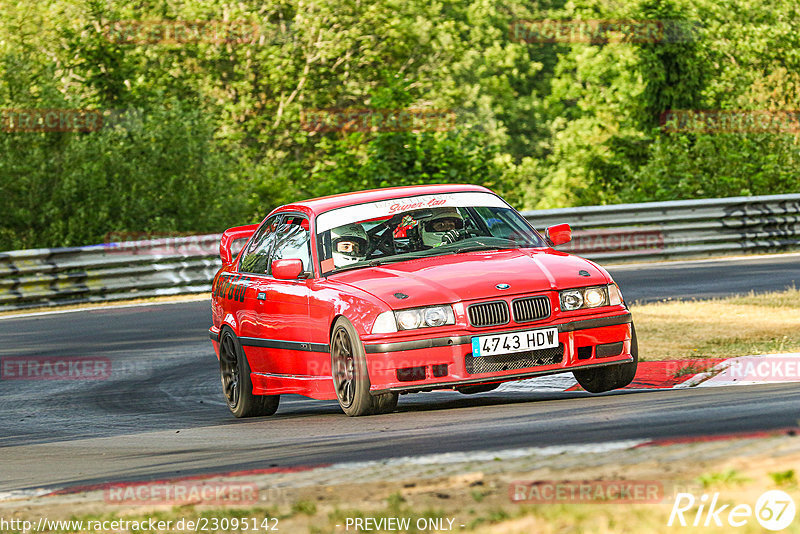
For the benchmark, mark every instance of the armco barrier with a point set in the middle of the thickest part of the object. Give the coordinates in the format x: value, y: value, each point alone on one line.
x: 111, y: 271
x: 678, y: 229
x: 185, y: 265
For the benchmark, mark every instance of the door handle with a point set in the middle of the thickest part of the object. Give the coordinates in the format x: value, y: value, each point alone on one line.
x: 262, y: 295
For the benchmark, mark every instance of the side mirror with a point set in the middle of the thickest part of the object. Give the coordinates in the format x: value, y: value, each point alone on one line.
x: 231, y: 235
x: 559, y: 234
x: 287, y: 269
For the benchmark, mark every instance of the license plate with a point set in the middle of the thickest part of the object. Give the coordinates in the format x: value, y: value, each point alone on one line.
x: 545, y: 338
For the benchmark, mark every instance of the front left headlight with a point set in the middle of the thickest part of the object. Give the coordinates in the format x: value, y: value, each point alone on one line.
x: 430, y: 316
x: 586, y: 297
x: 413, y: 318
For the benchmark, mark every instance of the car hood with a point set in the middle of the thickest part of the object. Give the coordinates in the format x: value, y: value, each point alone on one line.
x: 473, y: 275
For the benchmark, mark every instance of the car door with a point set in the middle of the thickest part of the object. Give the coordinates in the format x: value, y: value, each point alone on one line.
x: 285, y: 307
x: 254, y: 324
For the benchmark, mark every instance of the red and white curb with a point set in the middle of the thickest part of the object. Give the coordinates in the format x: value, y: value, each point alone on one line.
x: 679, y: 374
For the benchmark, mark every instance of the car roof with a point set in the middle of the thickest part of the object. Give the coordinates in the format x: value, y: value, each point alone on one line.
x: 322, y: 204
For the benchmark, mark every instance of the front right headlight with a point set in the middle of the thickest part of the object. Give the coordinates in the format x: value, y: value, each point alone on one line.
x: 587, y: 297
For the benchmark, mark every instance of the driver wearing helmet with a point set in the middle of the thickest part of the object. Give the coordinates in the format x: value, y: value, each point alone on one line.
x: 443, y: 227
x: 349, y: 243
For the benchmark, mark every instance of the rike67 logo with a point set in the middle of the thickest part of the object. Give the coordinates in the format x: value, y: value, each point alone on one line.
x: 774, y: 510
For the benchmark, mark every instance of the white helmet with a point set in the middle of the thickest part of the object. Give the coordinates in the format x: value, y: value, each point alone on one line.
x: 349, y: 244
x: 443, y: 220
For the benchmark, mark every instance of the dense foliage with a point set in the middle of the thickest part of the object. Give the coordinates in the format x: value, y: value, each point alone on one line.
x: 203, y: 135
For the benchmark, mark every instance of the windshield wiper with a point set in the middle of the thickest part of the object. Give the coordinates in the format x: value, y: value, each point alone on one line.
x: 372, y: 263
x: 346, y: 268
x: 477, y: 247
x: 437, y: 251
x: 394, y: 259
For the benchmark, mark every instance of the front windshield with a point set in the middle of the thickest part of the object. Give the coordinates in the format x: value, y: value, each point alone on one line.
x: 404, y: 233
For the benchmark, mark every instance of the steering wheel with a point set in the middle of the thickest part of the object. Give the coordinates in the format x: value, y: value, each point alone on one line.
x: 384, y: 243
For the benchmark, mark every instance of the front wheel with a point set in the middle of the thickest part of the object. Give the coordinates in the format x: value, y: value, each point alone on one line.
x: 237, y: 387
x: 613, y: 376
x: 350, y: 376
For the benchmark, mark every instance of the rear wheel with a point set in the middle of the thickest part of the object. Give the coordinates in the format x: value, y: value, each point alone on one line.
x: 613, y: 376
x: 350, y: 376
x: 237, y: 386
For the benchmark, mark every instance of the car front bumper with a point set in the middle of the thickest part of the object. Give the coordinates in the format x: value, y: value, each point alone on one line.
x: 441, y: 362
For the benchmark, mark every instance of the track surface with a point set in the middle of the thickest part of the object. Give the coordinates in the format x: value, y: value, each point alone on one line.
x: 160, y: 414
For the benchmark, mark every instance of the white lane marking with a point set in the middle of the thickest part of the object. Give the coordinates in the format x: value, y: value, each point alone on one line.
x: 104, y: 307
x: 680, y: 263
x: 559, y: 382
x: 488, y: 456
x: 22, y: 494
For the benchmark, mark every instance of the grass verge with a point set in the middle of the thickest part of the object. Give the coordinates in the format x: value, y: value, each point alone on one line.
x: 719, y: 328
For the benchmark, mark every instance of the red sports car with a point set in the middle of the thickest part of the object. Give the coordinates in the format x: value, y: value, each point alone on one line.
x: 363, y: 296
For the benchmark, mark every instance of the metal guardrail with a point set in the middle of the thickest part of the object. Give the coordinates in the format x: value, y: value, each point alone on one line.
x: 185, y: 265
x: 107, y: 272
x: 678, y: 229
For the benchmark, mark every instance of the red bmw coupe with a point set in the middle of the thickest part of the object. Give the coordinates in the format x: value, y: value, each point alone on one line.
x: 363, y: 296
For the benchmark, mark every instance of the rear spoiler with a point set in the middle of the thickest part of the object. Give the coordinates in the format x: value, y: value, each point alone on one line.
x: 231, y: 235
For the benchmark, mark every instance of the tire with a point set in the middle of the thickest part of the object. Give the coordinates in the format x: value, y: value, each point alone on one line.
x: 613, y: 376
x: 480, y: 388
x: 237, y: 387
x: 349, y: 370
x: 384, y: 403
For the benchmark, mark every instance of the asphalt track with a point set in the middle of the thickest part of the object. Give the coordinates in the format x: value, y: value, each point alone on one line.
x: 160, y: 413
